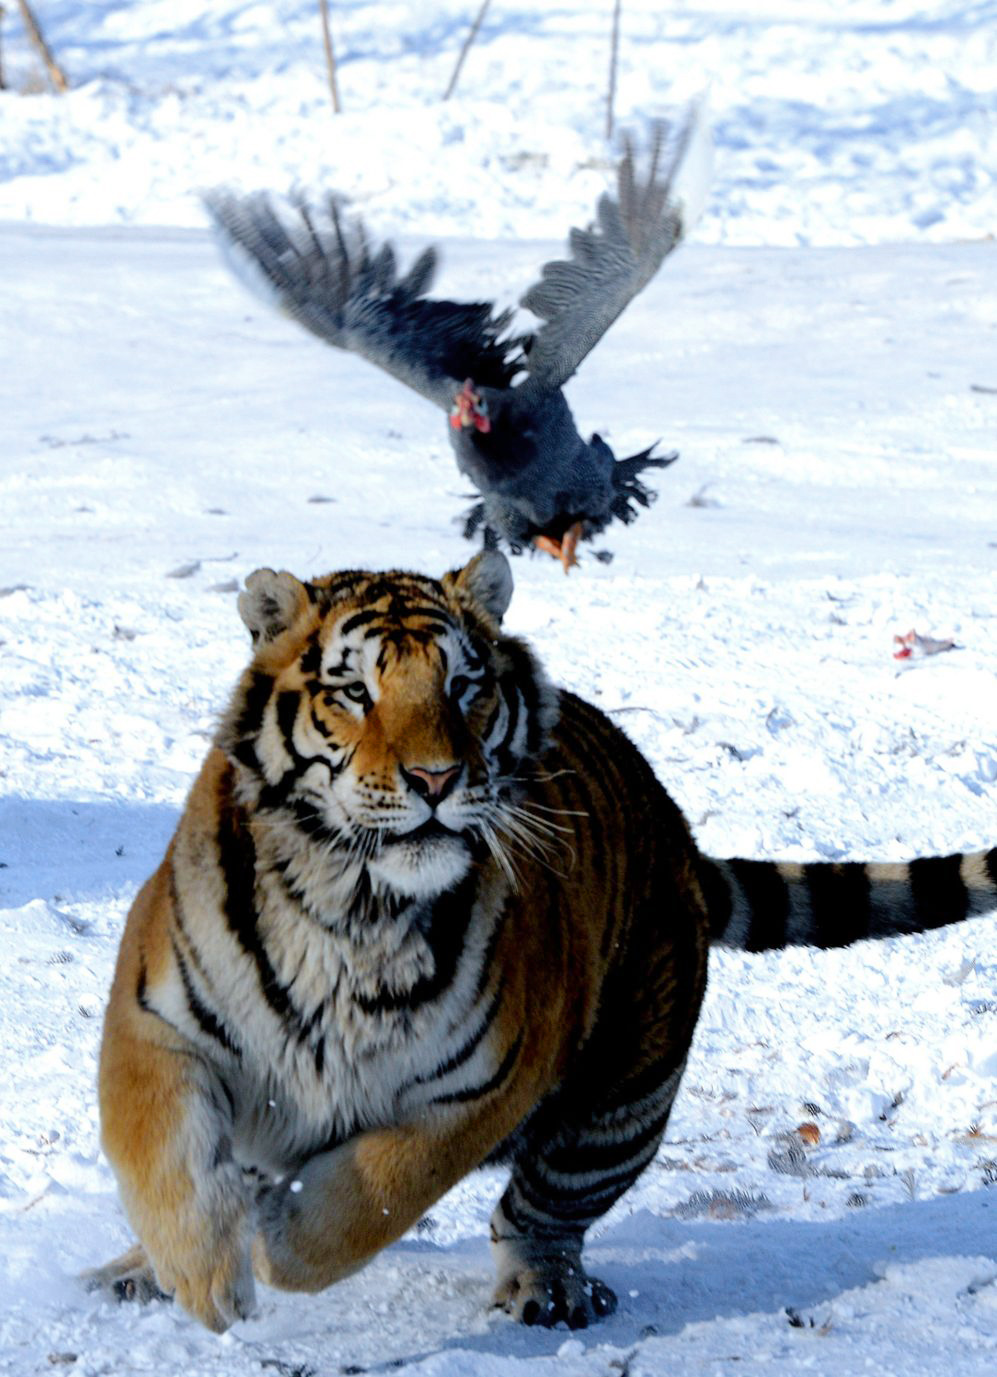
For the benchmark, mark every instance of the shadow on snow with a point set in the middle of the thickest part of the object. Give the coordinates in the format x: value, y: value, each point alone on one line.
x: 65, y: 849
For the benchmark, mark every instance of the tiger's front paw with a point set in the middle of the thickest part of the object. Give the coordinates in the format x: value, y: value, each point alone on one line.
x: 549, y: 1291
x: 214, y: 1284
x: 219, y: 1291
x: 128, y: 1278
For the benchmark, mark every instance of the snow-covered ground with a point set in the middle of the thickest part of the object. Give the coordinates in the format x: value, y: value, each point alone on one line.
x: 837, y: 121
x: 825, y: 358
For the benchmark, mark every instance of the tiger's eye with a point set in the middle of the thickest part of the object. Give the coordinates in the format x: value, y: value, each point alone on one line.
x: 355, y: 692
x: 459, y: 685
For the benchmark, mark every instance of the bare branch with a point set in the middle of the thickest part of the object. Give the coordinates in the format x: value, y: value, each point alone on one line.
x: 330, y: 55
x: 466, y: 48
x: 56, y: 74
x: 614, y: 52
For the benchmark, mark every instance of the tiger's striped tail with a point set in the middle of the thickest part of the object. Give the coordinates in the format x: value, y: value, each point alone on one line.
x: 766, y: 905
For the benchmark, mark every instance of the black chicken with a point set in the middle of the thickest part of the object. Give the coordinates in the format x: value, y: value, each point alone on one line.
x: 512, y: 430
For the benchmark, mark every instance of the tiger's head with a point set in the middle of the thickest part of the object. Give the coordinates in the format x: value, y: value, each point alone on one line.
x: 387, y: 717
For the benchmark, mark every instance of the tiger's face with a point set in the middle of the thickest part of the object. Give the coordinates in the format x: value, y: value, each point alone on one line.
x: 387, y: 716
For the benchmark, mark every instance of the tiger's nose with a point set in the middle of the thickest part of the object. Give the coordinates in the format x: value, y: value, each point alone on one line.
x: 432, y: 785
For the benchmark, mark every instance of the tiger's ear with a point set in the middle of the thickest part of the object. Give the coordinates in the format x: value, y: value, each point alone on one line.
x: 271, y: 603
x: 488, y: 580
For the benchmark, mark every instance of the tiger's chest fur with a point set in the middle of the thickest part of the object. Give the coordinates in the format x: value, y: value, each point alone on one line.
x: 327, y: 1006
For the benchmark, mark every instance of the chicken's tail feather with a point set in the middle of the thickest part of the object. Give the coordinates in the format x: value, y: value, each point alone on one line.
x: 627, y: 487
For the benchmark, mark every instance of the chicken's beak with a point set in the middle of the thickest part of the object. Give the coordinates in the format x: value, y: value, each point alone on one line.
x: 470, y: 409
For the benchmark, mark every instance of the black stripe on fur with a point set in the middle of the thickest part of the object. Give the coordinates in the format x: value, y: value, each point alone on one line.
x: 767, y: 896
x: 839, y: 903
x: 477, y: 1092
x: 938, y: 891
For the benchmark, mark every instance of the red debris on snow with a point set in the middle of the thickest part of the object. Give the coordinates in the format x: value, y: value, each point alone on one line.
x: 913, y: 645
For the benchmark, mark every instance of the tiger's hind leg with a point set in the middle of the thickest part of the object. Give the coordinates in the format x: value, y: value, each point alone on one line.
x: 541, y: 1279
x: 589, y: 1142
x: 126, y: 1278
x: 567, y: 1172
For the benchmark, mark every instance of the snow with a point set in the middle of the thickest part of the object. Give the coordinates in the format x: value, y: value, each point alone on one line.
x: 824, y: 358
x: 837, y: 121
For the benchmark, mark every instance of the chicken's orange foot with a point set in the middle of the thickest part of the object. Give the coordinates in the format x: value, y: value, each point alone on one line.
x: 570, y: 544
x: 564, y: 550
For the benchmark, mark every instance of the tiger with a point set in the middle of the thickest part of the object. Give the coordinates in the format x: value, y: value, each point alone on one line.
x: 424, y: 911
